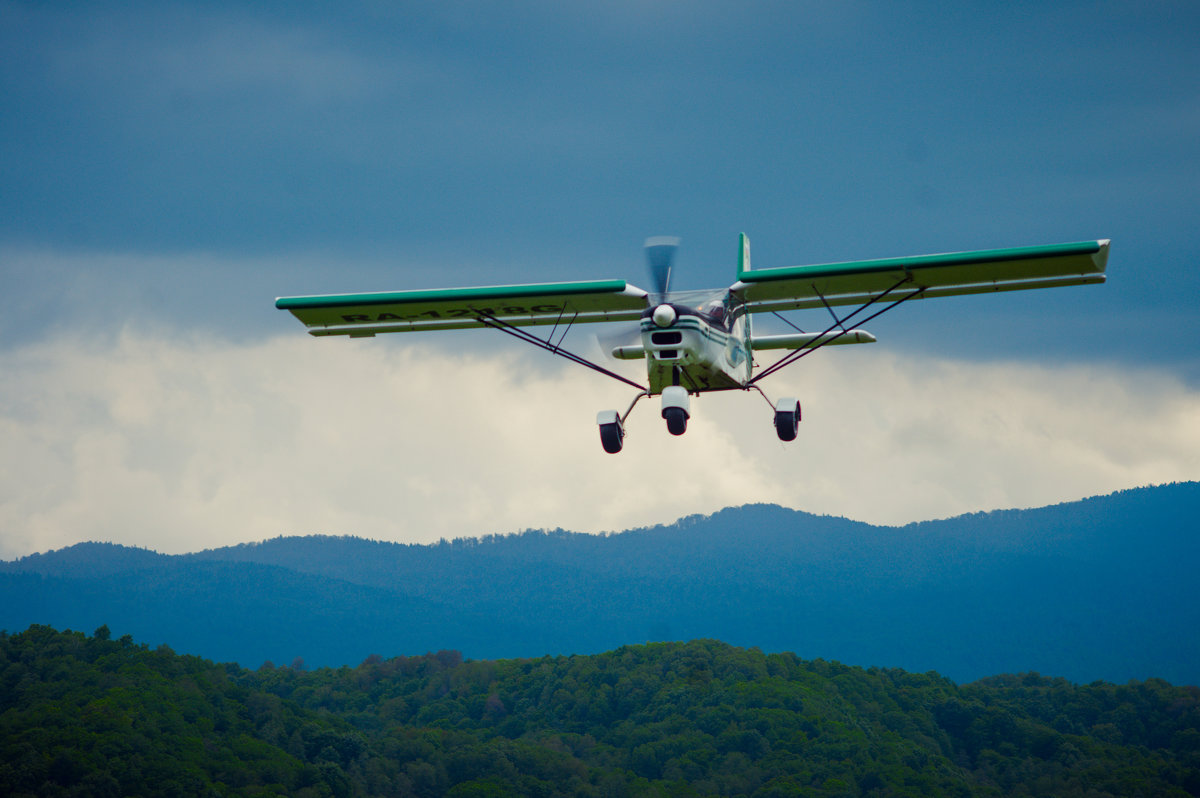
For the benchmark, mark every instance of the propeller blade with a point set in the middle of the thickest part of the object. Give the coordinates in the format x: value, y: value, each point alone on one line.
x: 619, y: 335
x: 660, y: 253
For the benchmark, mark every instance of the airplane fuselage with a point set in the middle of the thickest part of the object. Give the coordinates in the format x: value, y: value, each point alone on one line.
x: 704, y: 348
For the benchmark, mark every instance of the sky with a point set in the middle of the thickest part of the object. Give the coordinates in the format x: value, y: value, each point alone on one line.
x: 168, y: 169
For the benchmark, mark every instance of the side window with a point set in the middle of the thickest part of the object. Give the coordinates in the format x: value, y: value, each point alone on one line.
x: 715, y: 311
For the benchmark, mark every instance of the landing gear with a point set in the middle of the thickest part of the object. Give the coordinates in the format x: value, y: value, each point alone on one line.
x: 676, y: 420
x: 612, y: 431
x: 787, y: 419
x: 676, y: 406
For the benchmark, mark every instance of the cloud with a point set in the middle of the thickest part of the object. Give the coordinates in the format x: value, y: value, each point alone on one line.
x: 180, y: 444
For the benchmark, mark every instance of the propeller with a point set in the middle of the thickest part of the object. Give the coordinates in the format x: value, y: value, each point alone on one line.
x: 660, y: 253
x: 620, y: 334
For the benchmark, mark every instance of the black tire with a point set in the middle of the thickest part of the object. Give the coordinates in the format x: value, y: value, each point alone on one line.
x: 612, y: 437
x: 676, y: 420
x: 787, y: 423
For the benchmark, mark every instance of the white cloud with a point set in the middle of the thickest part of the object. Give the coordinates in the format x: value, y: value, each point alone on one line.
x: 179, y: 445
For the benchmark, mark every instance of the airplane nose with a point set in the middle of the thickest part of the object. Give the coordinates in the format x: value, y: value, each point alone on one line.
x: 664, y: 315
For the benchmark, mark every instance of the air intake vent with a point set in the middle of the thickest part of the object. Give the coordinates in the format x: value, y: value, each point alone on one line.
x: 666, y: 338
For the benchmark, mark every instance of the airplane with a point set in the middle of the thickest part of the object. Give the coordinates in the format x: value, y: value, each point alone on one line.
x: 699, y: 341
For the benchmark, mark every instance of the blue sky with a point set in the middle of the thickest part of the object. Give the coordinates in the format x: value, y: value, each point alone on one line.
x: 170, y: 168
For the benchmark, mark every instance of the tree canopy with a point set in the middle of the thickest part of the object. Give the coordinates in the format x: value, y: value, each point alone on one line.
x: 90, y: 715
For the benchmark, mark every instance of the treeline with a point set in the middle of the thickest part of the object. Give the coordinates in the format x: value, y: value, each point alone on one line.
x: 95, y: 716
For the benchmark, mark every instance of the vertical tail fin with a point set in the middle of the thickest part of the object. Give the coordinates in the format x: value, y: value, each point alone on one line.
x: 743, y: 268
x: 743, y: 255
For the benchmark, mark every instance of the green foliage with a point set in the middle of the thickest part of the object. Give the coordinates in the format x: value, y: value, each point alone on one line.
x: 94, y: 716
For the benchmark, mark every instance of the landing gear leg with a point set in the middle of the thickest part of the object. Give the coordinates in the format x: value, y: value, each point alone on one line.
x: 612, y: 426
x: 787, y: 419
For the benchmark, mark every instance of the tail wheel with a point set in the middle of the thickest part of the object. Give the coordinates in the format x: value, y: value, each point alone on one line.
x: 677, y: 419
x: 612, y: 437
x: 787, y: 423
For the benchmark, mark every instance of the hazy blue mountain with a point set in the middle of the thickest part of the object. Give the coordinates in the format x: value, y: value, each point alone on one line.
x: 1104, y: 588
x: 249, y: 613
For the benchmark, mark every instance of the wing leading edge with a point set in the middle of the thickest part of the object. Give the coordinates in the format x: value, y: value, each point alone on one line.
x: 461, y: 308
x: 951, y: 274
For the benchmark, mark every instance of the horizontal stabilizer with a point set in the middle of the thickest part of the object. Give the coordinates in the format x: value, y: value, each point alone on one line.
x: 628, y: 352
x: 808, y: 340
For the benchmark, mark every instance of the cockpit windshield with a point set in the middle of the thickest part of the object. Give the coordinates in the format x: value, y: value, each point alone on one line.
x: 712, y: 304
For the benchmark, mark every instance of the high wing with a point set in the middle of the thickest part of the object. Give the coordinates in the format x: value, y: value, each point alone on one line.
x: 359, y: 315
x: 923, y: 276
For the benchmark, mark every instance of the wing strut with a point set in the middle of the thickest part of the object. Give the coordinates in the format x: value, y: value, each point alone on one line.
x: 786, y: 320
x: 555, y: 349
x: 792, y: 357
x: 836, y: 320
x: 825, y: 302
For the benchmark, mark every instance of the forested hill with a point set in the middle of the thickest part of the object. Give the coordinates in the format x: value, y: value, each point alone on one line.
x: 95, y: 716
x: 1099, y: 589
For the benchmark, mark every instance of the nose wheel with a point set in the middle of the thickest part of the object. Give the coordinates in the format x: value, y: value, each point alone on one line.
x: 676, y: 408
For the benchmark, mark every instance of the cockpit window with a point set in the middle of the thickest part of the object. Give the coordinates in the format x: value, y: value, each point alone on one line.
x: 715, y: 312
x: 715, y: 306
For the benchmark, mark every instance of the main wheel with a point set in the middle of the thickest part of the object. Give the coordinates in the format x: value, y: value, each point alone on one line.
x: 676, y: 420
x: 787, y: 423
x: 612, y: 437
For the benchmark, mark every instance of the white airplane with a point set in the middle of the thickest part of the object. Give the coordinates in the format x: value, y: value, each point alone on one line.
x: 698, y: 341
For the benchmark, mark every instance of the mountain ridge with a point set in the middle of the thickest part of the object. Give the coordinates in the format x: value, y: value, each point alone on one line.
x: 1101, y: 588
